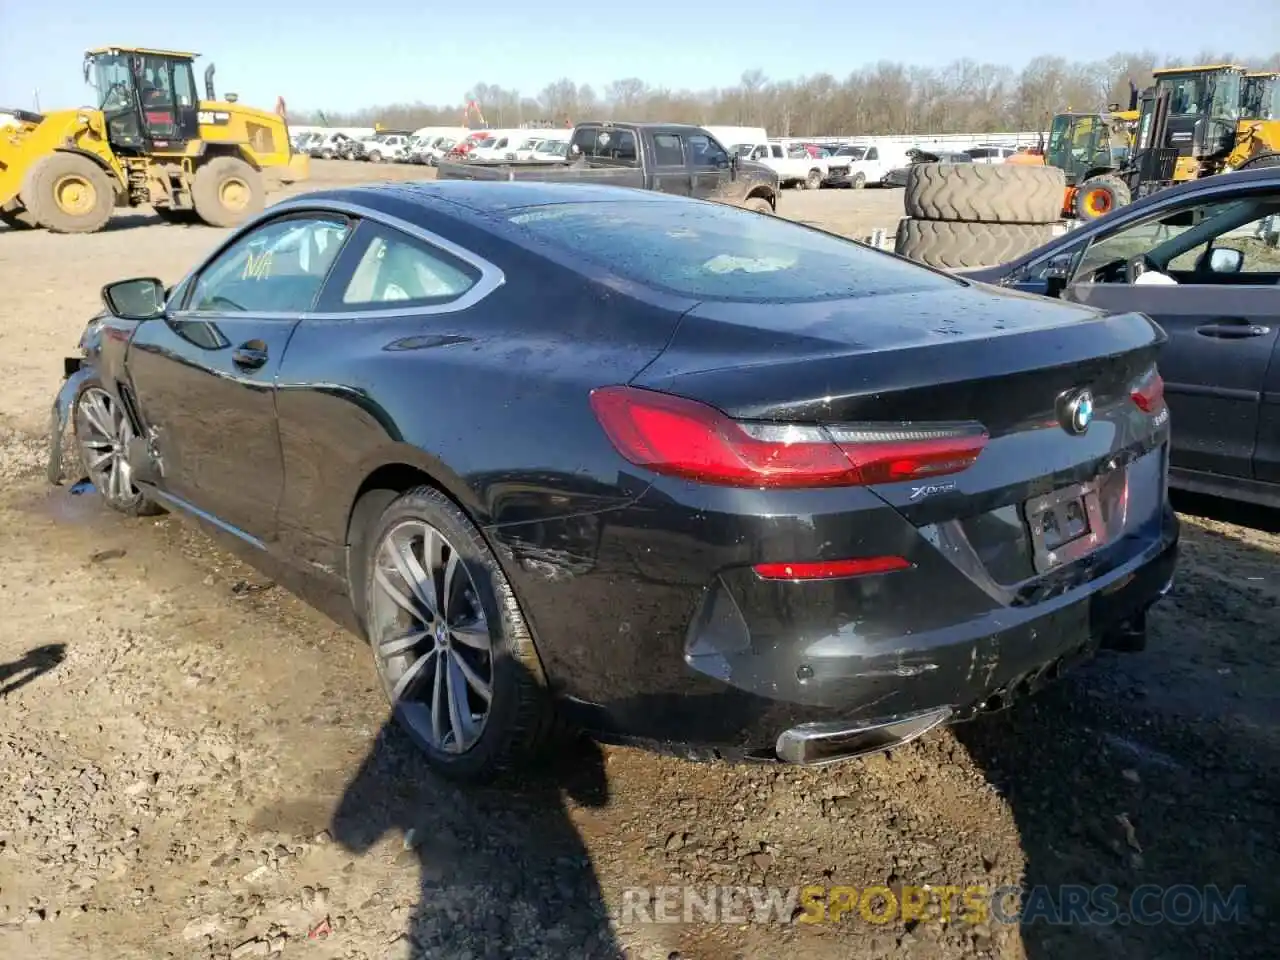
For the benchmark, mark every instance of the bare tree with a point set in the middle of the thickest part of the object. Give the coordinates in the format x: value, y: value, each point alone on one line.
x: 883, y: 98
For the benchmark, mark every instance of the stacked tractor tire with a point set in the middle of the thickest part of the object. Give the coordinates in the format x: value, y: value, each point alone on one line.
x: 978, y: 214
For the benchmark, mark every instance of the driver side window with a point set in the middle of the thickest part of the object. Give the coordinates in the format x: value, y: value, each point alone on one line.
x: 705, y: 152
x: 1158, y: 238
x: 277, y: 268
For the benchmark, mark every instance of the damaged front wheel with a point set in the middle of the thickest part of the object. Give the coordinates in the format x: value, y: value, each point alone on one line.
x: 103, y: 432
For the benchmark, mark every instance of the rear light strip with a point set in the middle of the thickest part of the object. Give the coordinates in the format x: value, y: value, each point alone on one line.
x: 831, y: 569
x: 1147, y: 393
x: 684, y: 438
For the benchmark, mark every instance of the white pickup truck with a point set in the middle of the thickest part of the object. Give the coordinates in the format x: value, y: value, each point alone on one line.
x: 794, y: 166
x: 858, y: 164
x: 386, y: 146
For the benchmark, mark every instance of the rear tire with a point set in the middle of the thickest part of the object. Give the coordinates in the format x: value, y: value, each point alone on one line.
x: 1099, y: 196
x: 509, y: 728
x: 858, y: 182
x: 950, y: 245
x: 226, y: 191
x: 69, y: 193
x: 375, y: 157
x: 759, y: 205
x: 814, y: 180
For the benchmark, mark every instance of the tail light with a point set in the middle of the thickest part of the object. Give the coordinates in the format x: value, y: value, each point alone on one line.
x: 684, y: 438
x: 1147, y: 393
x: 831, y: 569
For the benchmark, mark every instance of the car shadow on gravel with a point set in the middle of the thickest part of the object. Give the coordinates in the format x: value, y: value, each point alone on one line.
x: 36, y: 661
x: 503, y: 869
x: 1146, y: 782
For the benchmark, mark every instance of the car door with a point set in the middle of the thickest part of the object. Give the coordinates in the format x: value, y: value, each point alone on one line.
x: 670, y: 172
x: 204, y: 376
x: 708, y: 164
x: 391, y: 309
x: 1222, y: 327
x: 873, y: 166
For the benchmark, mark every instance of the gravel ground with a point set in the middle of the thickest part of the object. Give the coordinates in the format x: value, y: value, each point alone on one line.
x: 194, y: 764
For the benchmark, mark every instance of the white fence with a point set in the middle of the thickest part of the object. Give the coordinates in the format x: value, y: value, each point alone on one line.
x: 943, y: 141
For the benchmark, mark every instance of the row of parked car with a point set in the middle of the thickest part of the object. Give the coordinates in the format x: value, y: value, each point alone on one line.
x: 430, y: 145
x: 812, y: 166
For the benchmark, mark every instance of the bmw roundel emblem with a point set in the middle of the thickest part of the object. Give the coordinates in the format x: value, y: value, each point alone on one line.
x: 1079, y: 412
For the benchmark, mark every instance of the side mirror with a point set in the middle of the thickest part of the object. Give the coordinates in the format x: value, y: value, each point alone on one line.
x: 139, y: 299
x: 1226, y: 260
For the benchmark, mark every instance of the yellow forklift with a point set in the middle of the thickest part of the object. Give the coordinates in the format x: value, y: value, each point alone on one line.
x: 149, y: 141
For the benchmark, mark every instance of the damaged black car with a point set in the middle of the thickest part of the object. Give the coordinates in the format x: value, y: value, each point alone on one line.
x: 677, y: 472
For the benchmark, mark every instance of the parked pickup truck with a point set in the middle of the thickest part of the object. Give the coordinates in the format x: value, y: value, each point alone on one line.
x: 794, y: 167
x: 670, y: 157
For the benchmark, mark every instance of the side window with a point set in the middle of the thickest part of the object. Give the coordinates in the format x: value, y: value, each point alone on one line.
x: 604, y: 144
x: 777, y: 152
x: 667, y: 151
x: 705, y: 152
x: 277, y: 268
x: 873, y: 153
x: 395, y: 269
x: 182, y: 90
x: 1178, y: 240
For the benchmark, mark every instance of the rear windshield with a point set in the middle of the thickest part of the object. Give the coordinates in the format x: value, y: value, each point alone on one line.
x: 717, y: 252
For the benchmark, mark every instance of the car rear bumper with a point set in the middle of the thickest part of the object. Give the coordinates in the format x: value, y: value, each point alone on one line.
x: 852, y: 699
x: 653, y: 626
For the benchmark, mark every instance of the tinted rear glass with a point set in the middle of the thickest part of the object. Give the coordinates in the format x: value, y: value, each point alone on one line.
x: 717, y: 252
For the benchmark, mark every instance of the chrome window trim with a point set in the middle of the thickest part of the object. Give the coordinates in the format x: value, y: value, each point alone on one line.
x: 491, y: 276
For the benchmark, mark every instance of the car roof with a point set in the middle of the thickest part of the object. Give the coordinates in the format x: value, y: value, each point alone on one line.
x: 478, y: 196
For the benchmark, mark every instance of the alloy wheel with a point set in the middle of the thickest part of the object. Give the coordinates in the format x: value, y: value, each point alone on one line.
x: 432, y: 643
x: 103, y: 432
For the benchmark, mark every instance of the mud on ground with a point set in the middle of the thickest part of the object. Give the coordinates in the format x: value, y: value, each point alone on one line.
x: 195, y: 764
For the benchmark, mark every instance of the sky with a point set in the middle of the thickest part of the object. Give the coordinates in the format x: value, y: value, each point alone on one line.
x: 343, y: 55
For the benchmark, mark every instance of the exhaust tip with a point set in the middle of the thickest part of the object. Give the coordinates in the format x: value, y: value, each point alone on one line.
x: 813, y: 744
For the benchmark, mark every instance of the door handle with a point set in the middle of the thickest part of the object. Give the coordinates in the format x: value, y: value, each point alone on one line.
x: 250, y: 356
x: 1232, y: 328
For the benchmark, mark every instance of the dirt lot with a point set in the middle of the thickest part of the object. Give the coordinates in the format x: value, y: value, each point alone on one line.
x: 194, y: 764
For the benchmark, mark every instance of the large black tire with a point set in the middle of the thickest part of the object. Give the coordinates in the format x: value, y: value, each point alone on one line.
x: 227, y: 191
x: 759, y: 205
x: 1099, y: 196
x: 859, y: 181
x: 950, y: 245
x: 984, y: 193
x: 521, y: 718
x: 814, y: 180
x: 69, y: 193
x: 1261, y: 160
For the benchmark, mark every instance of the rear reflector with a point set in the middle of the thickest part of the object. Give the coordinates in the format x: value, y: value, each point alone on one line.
x: 1148, y: 393
x: 830, y: 569
x: 684, y: 438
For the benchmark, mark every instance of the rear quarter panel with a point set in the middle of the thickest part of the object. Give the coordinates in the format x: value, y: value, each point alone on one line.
x: 492, y: 402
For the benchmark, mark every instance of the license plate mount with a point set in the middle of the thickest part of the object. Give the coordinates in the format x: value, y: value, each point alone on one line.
x: 1065, y: 525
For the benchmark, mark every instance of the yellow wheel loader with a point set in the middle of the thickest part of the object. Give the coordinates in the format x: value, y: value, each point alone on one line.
x: 149, y: 141
x: 1195, y: 122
